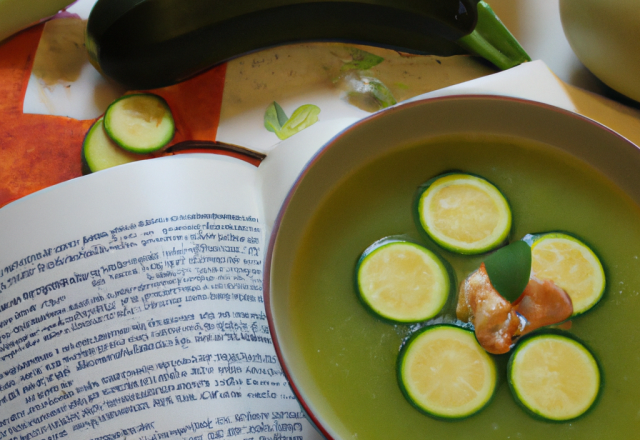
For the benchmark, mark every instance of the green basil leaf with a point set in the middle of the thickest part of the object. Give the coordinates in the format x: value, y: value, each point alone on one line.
x: 282, y: 116
x: 368, y: 93
x: 271, y: 122
x: 381, y: 93
x: 509, y: 269
x: 303, y: 117
x: 361, y: 60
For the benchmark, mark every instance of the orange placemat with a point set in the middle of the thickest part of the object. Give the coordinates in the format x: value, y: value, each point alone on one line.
x: 37, y: 151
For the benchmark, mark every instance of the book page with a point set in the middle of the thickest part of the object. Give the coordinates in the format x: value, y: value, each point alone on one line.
x: 131, y: 307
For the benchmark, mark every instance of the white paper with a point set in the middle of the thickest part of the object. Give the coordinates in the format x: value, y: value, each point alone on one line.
x: 82, y: 8
x: 532, y: 81
x: 85, y: 98
x: 82, y: 95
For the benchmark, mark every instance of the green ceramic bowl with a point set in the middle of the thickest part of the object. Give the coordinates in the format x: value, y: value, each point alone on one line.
x: 558, y: 170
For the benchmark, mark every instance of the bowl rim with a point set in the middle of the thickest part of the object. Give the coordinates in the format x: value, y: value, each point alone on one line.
x: 310, y: 415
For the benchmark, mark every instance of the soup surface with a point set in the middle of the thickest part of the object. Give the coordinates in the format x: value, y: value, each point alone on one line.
x: 352, y: 354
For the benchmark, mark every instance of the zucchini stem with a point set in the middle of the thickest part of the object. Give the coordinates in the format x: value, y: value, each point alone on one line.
x: 492, y: 40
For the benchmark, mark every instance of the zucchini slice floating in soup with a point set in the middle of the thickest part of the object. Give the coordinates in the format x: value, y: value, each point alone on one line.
x: 402, y: 281
x: 99, y: 152
x: 553, y: 377
x: 140, y: 123
x: 464, y: 213
x: 570, y: 264
x: 445, y: 373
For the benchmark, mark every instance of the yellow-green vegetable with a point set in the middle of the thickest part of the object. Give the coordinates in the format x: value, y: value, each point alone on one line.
x: 605, y: 35
x: 16, y: 15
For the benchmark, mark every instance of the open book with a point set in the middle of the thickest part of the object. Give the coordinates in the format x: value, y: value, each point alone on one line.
x: 131, y: 302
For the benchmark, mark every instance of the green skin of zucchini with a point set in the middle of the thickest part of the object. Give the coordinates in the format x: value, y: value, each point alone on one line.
x: 85, y: 168
x: 563, y: 334
x: 405, y: 347
x: 155, y: 43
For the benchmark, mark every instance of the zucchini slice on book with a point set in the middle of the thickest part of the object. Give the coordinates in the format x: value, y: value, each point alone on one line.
x: 140, y: 123
x: 402, y: 282
x: 99, y: 152
x: 463, y: 213
x: 554, y: 377
x: 445, y: 373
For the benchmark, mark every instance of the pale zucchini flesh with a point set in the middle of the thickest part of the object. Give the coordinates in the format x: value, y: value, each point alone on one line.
x: 99, y: 152
x: 140, y: 123
x: 445, y: 373
x: 463, y: 213
x: 571, y: 264
x: 554, y: 377
x: 402, y: 282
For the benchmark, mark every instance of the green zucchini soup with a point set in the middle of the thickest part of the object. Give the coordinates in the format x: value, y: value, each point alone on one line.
x: 352, y: 355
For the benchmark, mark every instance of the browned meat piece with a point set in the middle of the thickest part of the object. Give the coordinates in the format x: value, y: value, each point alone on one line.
x: 494, y: 319
x: 543, y: 303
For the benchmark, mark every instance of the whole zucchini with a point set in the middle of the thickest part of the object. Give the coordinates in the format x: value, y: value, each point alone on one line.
x: 153, y: 43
